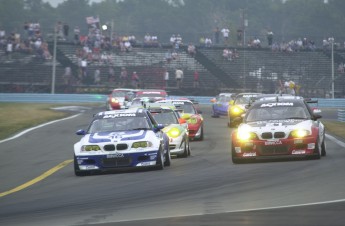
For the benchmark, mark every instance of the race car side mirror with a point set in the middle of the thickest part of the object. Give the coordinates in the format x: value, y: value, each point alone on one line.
x: 317, y: 116
x: 182, y: 120
x: 80, y: 132
x: 231, y: 102
x: 158, y: 128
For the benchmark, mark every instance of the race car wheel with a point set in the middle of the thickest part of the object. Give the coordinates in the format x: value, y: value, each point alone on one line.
x: 185, y: 149
x: 160, y: 160
x: 109, y: 108
x: 77, y: 171
x: 202, y: 133
x: 167, y: 159
x: 189, y: 150
x: 233, y: 156
x: 317, y: 150
x: 323, y: 149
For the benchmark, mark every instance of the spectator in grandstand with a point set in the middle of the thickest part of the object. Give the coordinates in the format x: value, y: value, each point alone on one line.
x: 341, y: 68
x: 9, y: 49
x: 67, y: 76
x: 270, y: 38
x: 196, y: 79
x: 216, y: 35
x: 166, y: 77
x: 191, y: 50
x: 226, y: 33
x: 168, y: 56
x: 65, y: 30
x: 208, y: 42
x: 172, y: 39
x: 76, y: 35
x: 179, y: 77
x: 97, y: 76
x: 123, y: 77
x: 178, y: 42
x: 135, y: 80
x: 174, y: 55
x: 111, y: 74
x: 202, y: 41
x: 239, y: 37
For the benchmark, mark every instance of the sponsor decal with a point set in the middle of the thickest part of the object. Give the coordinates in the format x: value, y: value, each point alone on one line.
x: 249, y: 154
x: 178, y: 103
x: 276, y: 104
x: 115, y: 155
x: 299, y: 141
x: 120, y: 115
x: 273, y: 142
x: 298, y: 152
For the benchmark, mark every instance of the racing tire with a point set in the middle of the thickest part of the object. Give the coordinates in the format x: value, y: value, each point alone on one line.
x: 202, y: 133
x: 160, y: 161
x: 323, y: 149
x: 317, y: 151
x: 77, y: 171
x: 167, y: 158
x: 185, y: 150
x: 189, y: 150
x: 233, y: 156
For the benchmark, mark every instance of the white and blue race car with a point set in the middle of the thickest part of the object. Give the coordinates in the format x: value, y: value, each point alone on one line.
x: 121, y: 139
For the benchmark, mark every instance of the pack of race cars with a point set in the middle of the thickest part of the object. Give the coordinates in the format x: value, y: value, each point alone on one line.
x: 147, y: 129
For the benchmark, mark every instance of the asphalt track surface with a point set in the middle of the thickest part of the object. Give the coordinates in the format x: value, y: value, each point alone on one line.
x: 38, y: 185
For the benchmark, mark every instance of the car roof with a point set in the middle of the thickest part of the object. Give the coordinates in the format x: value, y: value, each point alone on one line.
x: 140, y: 112
x: 280, y: 100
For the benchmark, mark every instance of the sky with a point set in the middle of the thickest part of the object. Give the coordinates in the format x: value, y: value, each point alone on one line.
x: 54, y: 3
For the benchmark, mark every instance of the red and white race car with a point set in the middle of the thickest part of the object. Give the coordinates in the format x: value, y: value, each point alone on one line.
x: 279, y: 128
x: 119, y: 98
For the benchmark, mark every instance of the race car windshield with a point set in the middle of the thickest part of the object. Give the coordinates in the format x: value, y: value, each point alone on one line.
x: 225, y: 98
x: 243, y: 100
x: 159, y: 95
x: 118, y: 94
x: 118, y: 124
x: 188, y: 108
x: 277, y: 113
x: 165, y: 118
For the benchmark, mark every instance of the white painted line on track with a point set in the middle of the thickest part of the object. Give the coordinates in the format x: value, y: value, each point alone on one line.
x: 36, y: 127
x: 335, y: 140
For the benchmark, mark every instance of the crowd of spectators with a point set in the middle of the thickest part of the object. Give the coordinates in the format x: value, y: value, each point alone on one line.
x: 30, y: 41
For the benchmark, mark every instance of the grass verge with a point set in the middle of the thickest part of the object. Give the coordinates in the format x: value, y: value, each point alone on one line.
x: 16, y: 117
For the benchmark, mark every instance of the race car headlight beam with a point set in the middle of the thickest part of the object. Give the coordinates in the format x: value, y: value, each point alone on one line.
x: 235, y: 110
x: 245, y: 135
x: 174, y: 132
x: 90, y: 148
x: 114, y: 100
x: 299, y: 133
x: 192, y: 121
x: 142, y: 144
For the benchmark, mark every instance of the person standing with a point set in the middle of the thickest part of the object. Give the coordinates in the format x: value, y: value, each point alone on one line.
x: 135, y: 80
x: 178, y: 77
x: 166, y: 78
x: 97, y: 77
x: 123, y: 77
x: 196, y: 79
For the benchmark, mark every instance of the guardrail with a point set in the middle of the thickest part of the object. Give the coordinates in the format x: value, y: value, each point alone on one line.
x: 72, y: 98
x: 341, y: 115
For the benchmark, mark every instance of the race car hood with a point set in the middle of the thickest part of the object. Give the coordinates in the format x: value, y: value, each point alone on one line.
x: 277, y: 125
x: 115, y: 136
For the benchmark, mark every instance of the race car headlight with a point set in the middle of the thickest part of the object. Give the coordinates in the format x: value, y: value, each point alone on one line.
x: 245, y: 135
x: 192, y: 121
x: 235, y: 110
x: 114, y: 100
x: 142, y: 144
x: 299, y: 133
x: 90, y: 148
x: 174, y: 132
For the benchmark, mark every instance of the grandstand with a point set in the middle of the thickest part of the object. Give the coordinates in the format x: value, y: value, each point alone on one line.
x: 253, y: 70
